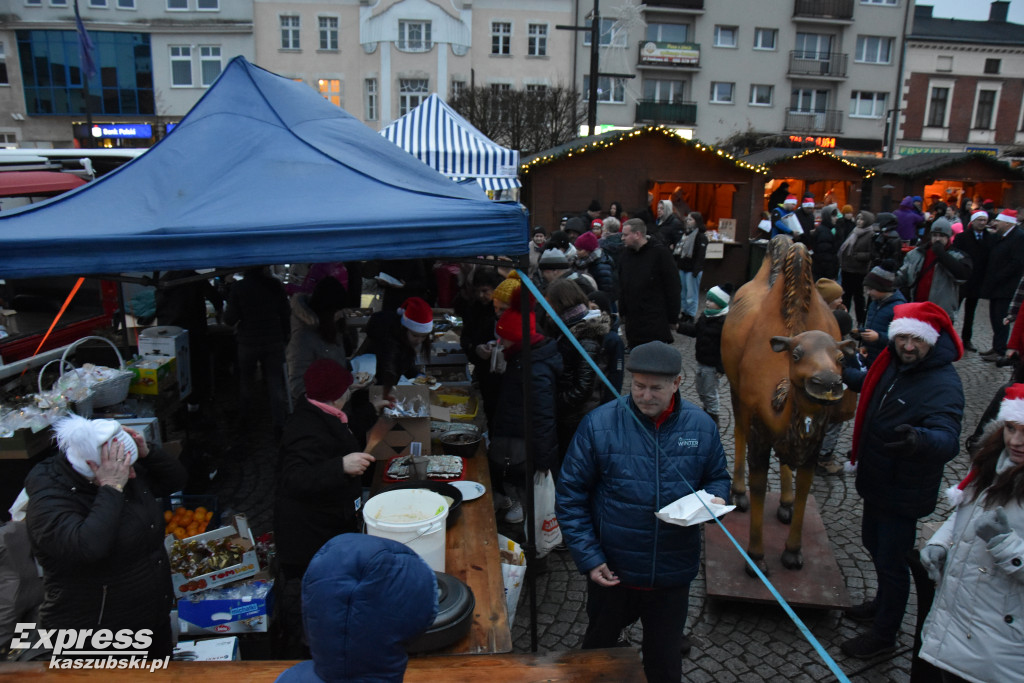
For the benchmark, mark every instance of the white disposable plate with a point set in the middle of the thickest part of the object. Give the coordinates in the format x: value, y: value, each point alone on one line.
x: 471, y: 490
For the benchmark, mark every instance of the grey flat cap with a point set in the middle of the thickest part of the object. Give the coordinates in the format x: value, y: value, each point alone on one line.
x: 655, y: 358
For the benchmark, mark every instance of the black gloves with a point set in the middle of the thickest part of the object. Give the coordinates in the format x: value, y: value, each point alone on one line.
x: 906, y: 444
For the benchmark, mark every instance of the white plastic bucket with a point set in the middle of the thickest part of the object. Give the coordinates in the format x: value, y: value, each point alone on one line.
x: 413, y: 517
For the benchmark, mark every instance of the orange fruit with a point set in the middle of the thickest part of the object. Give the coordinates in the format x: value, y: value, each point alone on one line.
x: 179, y: 510
x: 168, y: 515
x: 200, y: 511
x: 179, y: 533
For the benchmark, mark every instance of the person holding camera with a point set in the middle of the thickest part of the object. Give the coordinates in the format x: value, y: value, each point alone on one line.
x: 934, y: 270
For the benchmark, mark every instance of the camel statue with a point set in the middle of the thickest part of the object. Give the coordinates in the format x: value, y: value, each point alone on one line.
x: 782, y: 356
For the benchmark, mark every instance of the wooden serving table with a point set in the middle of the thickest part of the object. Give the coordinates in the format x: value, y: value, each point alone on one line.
x: 617, y: 665
x: 472, y: 556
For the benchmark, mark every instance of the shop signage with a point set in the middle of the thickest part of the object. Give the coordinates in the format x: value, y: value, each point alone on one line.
x: 991, y: 151
x: 814, y: 141
x: 116, y: 130
x: 682, y: 54
x: 906, y: 151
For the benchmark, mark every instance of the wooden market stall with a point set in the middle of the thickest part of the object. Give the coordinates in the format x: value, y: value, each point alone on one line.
x: 952, y: 176
x: 628, y: 166
x: 830, y: 178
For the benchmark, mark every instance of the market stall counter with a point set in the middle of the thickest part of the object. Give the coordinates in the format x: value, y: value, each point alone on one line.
x: 471, y: 555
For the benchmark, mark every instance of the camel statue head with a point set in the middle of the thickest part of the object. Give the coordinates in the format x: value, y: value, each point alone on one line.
x: 815, y: 366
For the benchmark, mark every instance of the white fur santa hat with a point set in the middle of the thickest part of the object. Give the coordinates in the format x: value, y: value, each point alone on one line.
x: 80, y: 440
x: 926, y: 321
x: 790, y: 199
x: 979, y: 214
x: 1007, y: 215
x: 808, y: 201
x: 417, y: 315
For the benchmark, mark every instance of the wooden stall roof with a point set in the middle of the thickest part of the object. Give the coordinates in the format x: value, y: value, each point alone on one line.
x: 938, y: 164
x: 611, y: 138
x: 809, y: 164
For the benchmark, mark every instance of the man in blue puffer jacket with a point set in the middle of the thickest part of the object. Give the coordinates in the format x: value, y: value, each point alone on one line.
x: 629, y: 459
x: 362, y: 598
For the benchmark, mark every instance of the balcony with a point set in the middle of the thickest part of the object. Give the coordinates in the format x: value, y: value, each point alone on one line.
x: 828, y: 121
x: 675, y: 4
x: 656, y: 111
x: 679, y: 56
x: 827, y: 65
x: 827, y: 10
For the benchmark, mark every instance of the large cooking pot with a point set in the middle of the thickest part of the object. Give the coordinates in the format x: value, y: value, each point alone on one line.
x: 440, y: 487
x: 454, y: 616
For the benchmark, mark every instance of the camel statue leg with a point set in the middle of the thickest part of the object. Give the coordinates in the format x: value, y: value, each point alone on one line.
x: 792, y: 558
x: 758, y: 467
x: 739, y: 468
x: 785, y: 511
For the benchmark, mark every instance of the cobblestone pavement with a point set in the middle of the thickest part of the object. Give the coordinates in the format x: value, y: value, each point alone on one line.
x: 732, y: 641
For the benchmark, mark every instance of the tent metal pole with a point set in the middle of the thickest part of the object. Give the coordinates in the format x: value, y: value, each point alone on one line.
x: 526, y: 305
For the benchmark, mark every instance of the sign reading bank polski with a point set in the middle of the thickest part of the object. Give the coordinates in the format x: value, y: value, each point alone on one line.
x: 126, y: 130
x: 86, y: 648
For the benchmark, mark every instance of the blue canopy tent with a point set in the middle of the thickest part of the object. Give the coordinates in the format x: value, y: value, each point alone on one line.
x: 263, y: 170
x: 438, y: 136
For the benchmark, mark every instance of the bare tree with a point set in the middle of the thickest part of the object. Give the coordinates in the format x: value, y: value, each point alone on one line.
x: 526, y: 120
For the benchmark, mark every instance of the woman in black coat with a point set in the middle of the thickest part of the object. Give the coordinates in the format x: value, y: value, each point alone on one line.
x: 825, y: 242
x: 97, y: 530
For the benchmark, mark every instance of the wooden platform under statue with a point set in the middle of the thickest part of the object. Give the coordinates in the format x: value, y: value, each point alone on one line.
x: 819, y: 584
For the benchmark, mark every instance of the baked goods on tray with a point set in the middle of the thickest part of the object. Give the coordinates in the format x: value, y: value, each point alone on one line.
x: 438, y: 467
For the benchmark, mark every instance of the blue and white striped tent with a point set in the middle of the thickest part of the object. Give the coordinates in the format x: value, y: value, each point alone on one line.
x: 438, y: 136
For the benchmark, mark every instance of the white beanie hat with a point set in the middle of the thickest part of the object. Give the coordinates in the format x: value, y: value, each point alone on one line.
x: 80, y: 441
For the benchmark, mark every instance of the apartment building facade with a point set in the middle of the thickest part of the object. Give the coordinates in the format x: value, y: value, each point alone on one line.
x: 154, y: 59
x: 963, y: 89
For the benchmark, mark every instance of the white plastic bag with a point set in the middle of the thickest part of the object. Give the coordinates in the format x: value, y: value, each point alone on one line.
x: 692, y: 509
x: 793, y: 223
x: 545, y: 524
x: 513, y: 570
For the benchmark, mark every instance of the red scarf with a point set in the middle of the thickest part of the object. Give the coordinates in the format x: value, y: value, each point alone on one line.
x: 875, y: 373
x: 330, y: 410
x: 924, y: 280
x: 660, y: 420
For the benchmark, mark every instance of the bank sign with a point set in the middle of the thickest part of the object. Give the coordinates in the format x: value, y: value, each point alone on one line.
x: 672, y: 54
x: 124, y: 130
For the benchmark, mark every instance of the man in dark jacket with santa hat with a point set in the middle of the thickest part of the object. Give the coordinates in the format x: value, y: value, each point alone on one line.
x: 906, y: 429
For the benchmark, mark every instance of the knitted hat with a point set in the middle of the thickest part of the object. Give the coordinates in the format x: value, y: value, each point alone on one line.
x: 830, y: 290
x: 943, y: 226
x: 587, y: 241
x: 510, y: 327
x: 791, y: 199
x: 880, y: 279
x: 979, y: 214
x: 847, y: 209
x: 719, y: 296
x: 508, y: 288
x: 1007, y: 215
x: 917, y: 198
x: 326, y: 381
x: 808, y: 201
x: 553, y: 259
x: 80, y: 441
x: 538, y: 228
x: 574, y: 224
x: 886, y: 219
x: 925, y: 320
x: 655, y: 358
x: 417, y: 315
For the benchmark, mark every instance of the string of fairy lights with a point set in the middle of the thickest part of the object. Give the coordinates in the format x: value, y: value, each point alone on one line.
x: 608, y: 142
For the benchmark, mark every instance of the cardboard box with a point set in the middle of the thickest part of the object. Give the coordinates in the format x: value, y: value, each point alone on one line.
x: 153, y: 375
x: 400, y: 432
x: 209, y: 650
x: 208, y: 613
x: 170, y: 341
x: 240, y: 535
x: 25, y: 444
x: 148, y: 427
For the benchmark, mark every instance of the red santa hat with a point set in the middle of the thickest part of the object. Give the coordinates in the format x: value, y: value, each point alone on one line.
x: 790, y: 199
x: 808, y: 201
x: 1010, y: 410
x: 925, y: 320
x: 979, y: 214
x: 1008, y: 215
x: 417, y: 315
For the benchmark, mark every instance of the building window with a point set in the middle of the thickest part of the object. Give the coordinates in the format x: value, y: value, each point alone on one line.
x: 8, y: 140
x: 58, y: 3
x: 666, y: 33
x: 414, y: 36
x: 721, y: 92
x: 98, y: 3
x: 177, y: 5
x: 984, y: 110
x: 209, y: 64
x: 944, y: 63
x: 874, y: 49
x: 372, y: 112
x: 411, y: 93
x: 937, y: 104
x: 891, y: 3
x: 761, y: 95
x: 868, y: 105
x: 610, y: 33
x: 208, y: 5
x: 34, y: 3
x: 813, y: 46
x: 725, y: 36
x: 125, y: 4
x: 764, y: 38
x: 330, y: 88
x: 611, y: 90
x: 458, y: 87
x: 992, y: 66
x: 3, y: 65
x: 664, y: 91
x: 290, y: 32
x: 181, y: 66
x: 809, y: 101
x: 501, y: 38
x: 537, y: 40
x: 536, y: 89
x: 328, y: 33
